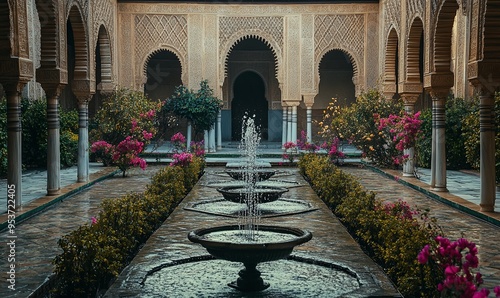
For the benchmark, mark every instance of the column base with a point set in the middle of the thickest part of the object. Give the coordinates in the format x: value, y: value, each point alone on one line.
x: 487, y: 207
x: 53, y: 192
x: 439, y: 189
x: 82, y: 180
x: 408, y: 175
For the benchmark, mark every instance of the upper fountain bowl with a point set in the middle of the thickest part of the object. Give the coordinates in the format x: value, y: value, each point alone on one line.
x: 253, y: 175
x: 259, y: 194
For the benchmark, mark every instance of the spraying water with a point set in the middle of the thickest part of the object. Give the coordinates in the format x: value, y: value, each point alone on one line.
x: 250, y: 140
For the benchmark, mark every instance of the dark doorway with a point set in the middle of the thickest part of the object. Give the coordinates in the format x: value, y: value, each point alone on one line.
x: 163, y: 75
x: 249, y: 99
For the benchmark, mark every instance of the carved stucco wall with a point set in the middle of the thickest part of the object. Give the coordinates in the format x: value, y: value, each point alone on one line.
x: 154, y: 32
x: 232, y: 29
x: 345, y: 33
x: 104, y: 15
x: 298, y: 36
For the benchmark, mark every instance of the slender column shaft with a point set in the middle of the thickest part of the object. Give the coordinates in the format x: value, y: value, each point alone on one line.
x: 53, y: 146
x: 408, y: 166
x: 289, y: 125
x: 83, y: 141
x: 205, y: 140
x: 188, y: 137
x: 487, y: 151
x: 309, y: 123
x: 219, y: 130
x: 284, y: 127
x: 294, y: 124
x: 439, y: 140
x: 211, y: 139
x: 14, y: 150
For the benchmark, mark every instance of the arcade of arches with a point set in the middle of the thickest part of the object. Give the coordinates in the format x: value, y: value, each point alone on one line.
x: 282, y: 60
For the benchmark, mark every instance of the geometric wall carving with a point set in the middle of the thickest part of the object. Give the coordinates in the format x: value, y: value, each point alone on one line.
x: 342, y: 32
x: 269, y: 29
x: 155, y: 31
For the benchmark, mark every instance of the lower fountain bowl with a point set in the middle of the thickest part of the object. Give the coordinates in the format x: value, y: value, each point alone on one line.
x: 255, y: 175
x: 251, y: 252
x: 263, y: 194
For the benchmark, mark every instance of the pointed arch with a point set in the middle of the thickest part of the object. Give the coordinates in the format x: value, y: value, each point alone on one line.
x: 354, y: 62
x: 81, y: 70
x: 391, y: 62
x: 5, y: 29
x: 104, y: 45
x: 169, y: 49
x: 441, y: 54
x: 491, y: 35
x: 236, y: 38
x: 414, y: 51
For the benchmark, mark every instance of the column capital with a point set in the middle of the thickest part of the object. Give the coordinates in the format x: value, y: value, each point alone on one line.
x: 309, y: 99
x: 410, y: 98
x: 438, y: 93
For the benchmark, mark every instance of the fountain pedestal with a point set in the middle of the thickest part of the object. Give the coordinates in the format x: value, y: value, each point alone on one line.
x: 249, y: 280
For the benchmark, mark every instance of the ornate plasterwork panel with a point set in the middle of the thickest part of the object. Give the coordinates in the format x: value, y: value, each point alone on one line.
x: 342, y: 32
x: 103, y: 14
x: 126, y: 33
x: 414, y: 8
x: 392, y: 15
x: 153, y: 32
x: 232, y: 29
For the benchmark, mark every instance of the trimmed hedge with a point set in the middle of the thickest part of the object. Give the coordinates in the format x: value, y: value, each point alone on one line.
x: 392, y: 235
x: 95, y: 254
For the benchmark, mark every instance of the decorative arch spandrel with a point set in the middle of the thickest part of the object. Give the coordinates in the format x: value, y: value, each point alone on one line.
x: 268, y: 29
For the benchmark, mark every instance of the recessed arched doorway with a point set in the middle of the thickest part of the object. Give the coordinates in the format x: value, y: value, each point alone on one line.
x: 249, y: 99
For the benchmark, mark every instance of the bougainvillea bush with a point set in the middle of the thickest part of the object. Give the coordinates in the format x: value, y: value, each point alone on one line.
x: 125, y: 113
x: 357, y: 125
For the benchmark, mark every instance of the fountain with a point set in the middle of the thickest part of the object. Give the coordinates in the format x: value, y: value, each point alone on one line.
x: 249, y: 242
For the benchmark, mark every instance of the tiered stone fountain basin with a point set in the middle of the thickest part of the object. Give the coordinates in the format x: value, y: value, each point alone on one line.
x: 229, y: 243
x: 263, y: 194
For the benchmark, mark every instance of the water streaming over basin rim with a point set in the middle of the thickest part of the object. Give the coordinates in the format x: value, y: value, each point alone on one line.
x: 280, y: 207
x: 295, y: 276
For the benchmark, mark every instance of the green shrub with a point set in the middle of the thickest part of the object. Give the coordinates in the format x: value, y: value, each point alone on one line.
x: 392, y: 235
x: 460, y: 132
x: 357, y: 125
x: 95, y: 254
x: 124, y: 113
x: 34, y: 126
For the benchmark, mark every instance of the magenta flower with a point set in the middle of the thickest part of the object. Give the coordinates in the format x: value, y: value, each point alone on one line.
x: 423, y: 256
x: 94, y: 220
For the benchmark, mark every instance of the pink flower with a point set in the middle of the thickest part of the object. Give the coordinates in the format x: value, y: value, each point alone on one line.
x: 423, y: 256
x: 497, y: 291
x: 147, y: 135
x: 94, y: 220
x: 483, y: 293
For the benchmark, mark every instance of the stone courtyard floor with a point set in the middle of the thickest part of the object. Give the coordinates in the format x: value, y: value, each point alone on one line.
x: 37, y: 236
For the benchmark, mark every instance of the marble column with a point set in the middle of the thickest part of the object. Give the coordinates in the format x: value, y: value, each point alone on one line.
x: 219, y: 130
x: 53, y: 142
x: 83, y: 138
x: 211, y: 139
x: 438, y: 162
x: 188, y: 137
x: 284, y: 127
x: 294, y: 124
x: 14, y: 145
x: 205, y: 140
x: 487, y: 151
x: 309, y: 123
x: 409, y: 165
x: 289, y: 125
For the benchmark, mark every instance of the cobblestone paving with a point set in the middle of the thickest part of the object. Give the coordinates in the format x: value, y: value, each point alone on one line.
x: 455, y: 224
x: 36, y: 243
